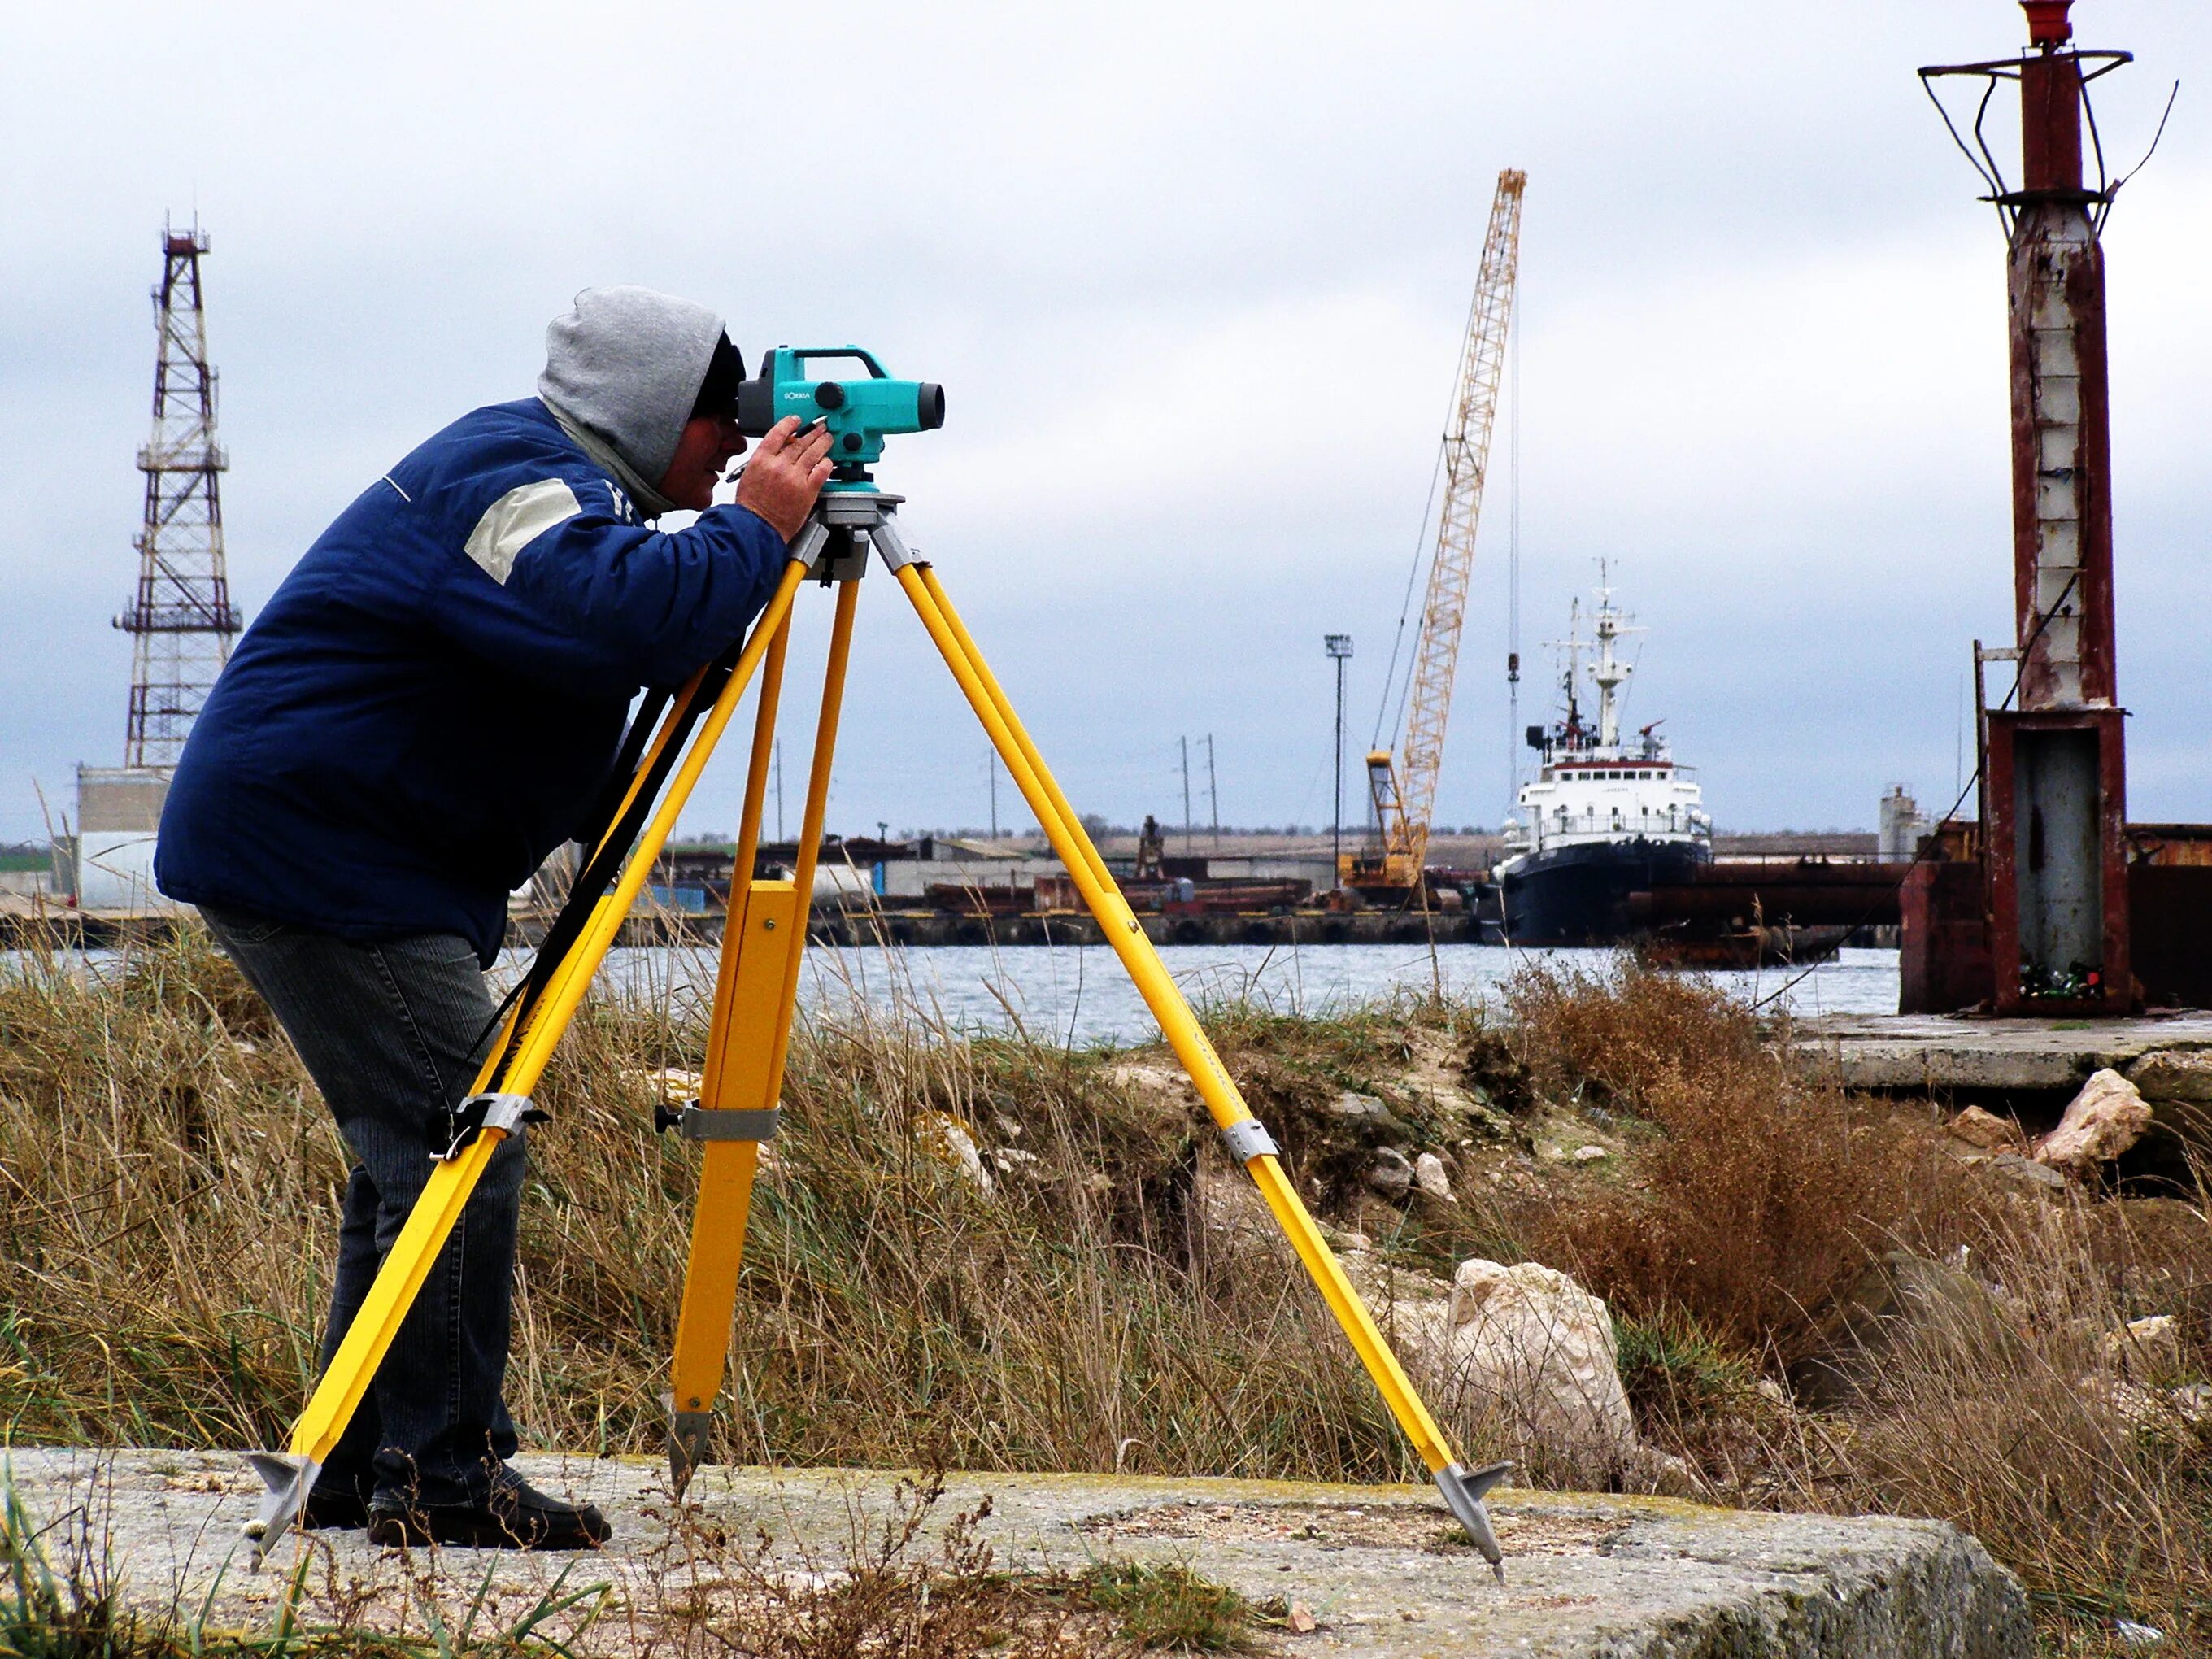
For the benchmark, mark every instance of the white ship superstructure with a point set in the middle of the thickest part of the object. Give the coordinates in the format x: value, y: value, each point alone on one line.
x: 1592, y: 786
x: 1602, y: 816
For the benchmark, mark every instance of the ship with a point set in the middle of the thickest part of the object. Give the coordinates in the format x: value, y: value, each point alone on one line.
x: 1602, y: 818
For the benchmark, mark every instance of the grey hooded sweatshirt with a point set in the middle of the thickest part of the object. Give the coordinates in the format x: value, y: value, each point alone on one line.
x: 622, y: 372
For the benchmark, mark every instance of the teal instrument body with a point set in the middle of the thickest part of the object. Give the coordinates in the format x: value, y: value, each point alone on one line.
x: 860, y: 412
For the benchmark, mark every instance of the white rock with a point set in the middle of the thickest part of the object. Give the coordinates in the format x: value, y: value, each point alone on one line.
x: 1984, y: 1129
x: 671, y: 1083
x: 955, y: 1147
x: 1430, y: 1175
x: 2145, y: 1350
x: 1391, y: 1176
x: 1351, y: 1103
x: 1543, y: 1348
x: 2183, y: 1074
x: 1590, y: 1154
x: 1165, y: 1085
x: 2163, y: 1410
x: 2026, y: 1176
x: 2106, y: 1118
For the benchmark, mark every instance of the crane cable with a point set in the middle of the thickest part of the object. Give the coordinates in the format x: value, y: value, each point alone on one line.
x: 1406, y: 611
x: 1421, y: 538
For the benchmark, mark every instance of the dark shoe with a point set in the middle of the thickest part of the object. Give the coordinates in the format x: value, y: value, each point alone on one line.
x: 339, y: 1508
x: 516, y: 1516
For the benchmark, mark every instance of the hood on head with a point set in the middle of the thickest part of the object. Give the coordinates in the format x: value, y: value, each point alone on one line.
x: 626, y: 364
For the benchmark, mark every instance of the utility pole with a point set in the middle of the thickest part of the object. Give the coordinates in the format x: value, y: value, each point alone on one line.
x: 180, y: 620
x: 1338, y: 647
x: 1185, y: 742
x: 1212, y: 791
x: 991, y: 762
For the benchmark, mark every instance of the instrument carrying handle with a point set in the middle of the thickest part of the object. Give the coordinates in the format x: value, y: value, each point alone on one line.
x: 808, y: 354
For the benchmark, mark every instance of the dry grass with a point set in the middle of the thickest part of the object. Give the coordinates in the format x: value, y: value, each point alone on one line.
x: 1757, y: 1195
x: 167, y: 1179
x: 1756, y: 1189
x: 2038, y: 1441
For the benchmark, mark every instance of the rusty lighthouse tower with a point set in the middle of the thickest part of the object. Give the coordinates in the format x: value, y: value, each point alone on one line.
x: 2054, y: 898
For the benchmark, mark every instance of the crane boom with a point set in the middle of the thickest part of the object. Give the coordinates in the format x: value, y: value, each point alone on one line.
x: 1405, y: 795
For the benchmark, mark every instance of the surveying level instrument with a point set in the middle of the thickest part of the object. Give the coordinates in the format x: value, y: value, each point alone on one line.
x: 756, y: 983
x: 859, y: 414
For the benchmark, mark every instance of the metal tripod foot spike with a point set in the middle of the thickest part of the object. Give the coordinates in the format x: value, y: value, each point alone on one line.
x: 689, y: 1433
x: 1463, y: 1494
x: 288, y: 1479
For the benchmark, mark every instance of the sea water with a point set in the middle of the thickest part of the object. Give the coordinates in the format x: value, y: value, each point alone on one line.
x: 1079, y: 995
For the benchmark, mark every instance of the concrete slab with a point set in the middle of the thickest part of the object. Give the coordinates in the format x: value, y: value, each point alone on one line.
x: 1962, y: 1053
x: 1380, y: 1568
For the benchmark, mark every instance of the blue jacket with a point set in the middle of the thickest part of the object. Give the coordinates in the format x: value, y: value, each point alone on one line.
x: 432, y: 699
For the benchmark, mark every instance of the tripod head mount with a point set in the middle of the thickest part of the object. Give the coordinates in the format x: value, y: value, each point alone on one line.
x: 834, y: 542
x: 860, y: 413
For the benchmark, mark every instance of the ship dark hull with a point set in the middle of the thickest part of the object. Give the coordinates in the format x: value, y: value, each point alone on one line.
x: 1579, y: 894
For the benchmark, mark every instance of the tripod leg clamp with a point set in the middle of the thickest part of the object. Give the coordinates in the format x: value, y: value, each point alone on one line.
x: 1249, y: 1140
x: 807, y: 545
x: 890, y: 546
x: 694, y: 1122
x: 455, y: 1127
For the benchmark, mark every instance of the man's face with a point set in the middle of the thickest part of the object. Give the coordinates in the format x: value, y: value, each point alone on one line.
x: 709, y: 444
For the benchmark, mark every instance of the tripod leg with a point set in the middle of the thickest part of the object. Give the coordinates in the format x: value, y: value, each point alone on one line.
x: 763, y: 942
x: 1248, y: 1141
x: 736, y: 1113
x: 512, y: 1070
x: 728, y: 1165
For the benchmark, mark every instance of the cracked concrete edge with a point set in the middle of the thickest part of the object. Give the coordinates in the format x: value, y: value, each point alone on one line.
x: 1946, y: 1598
x: 1935, y: 1052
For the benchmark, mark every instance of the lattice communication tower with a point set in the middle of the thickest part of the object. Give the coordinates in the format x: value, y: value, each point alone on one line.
x: 180, y: 620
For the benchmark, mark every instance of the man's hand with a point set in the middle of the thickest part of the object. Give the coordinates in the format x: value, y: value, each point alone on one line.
x: 785, y: 475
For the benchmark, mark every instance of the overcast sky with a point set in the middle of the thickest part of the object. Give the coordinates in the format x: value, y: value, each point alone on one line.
x: 1194, y: 278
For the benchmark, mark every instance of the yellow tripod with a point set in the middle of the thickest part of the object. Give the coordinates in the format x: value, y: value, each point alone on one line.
x: 755, y: 991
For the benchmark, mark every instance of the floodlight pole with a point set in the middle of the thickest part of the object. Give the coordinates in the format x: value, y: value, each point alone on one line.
x: 1185, y: 742
x: 1213, y: 792
x: 1338, y: 647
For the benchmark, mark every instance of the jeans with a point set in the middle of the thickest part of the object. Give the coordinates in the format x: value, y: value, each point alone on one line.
x: 392, y: 1031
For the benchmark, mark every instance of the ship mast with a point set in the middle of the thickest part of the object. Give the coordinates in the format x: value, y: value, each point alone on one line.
x: 1610, y: 674
x: 1570, y: 670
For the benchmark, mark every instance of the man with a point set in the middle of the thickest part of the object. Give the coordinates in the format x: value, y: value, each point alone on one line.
x: 428, y: 707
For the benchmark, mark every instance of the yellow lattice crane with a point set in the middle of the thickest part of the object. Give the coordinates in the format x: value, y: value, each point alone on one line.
x: 1405, y: 793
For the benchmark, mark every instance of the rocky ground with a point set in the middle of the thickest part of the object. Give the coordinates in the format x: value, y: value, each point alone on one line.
x: 1374, y: 1571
